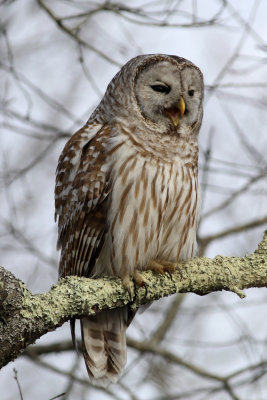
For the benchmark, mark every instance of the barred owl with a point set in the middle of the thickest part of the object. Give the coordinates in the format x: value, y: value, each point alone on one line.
x: 127, y: 190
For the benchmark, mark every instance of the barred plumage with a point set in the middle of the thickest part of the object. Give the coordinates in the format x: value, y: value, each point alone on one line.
x: 127, y: 190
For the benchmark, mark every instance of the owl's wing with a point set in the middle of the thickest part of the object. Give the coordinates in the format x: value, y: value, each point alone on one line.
x: 82, y: 189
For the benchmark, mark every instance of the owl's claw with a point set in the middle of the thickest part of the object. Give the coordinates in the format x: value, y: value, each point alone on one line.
x: 162, y: 267
x: 139, y: 281
x: 130, y: 293
x: 127, y: 286
x: 168, y: 272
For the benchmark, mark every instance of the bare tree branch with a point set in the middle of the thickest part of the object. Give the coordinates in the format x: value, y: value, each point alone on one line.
x: 206, y: 240
x: 235, y: 194
x: 70, y: 32
x: 17, y: 380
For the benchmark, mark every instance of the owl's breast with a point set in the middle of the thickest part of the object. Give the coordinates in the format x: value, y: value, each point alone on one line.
x: 152, y: 212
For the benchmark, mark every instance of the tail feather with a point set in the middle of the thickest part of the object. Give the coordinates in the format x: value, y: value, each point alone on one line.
x: 104, y: 345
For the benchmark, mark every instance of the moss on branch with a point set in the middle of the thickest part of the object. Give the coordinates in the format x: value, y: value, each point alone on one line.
x: 25, y: 317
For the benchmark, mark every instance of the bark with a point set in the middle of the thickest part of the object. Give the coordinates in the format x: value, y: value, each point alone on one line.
x: 24, y: 317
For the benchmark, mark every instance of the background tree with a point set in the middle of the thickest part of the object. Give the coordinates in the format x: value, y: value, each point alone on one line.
x: 56, y: 59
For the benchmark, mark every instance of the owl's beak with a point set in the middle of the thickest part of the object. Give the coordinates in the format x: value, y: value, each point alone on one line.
x: 176, y: 111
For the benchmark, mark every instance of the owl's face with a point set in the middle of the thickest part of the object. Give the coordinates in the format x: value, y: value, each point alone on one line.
x: 170, y: 95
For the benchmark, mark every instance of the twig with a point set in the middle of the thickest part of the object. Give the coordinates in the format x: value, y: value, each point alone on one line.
x: 84, y: 382
x: 170, y: 315
x: 206, y: 240
x: 234, y: 195
x: 17, y: 380
x: 238, y: 47
x: 58, y: 396
x: 55, y: 105
x: 80, y: 41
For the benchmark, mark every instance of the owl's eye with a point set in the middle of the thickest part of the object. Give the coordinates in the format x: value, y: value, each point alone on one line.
x: 161, y: 88
x: 191, y: 92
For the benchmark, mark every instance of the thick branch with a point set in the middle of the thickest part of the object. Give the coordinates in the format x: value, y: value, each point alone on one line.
x: 25, y: 317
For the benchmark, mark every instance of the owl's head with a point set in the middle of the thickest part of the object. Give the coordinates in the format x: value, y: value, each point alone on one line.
x: 169, y: 93
x: 157, y: 92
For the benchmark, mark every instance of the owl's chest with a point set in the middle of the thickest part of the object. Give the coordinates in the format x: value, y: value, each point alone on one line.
x: 152, y: 206
x: 146, y: 183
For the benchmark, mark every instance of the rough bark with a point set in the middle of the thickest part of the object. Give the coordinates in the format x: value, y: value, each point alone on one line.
x: 25, y: 317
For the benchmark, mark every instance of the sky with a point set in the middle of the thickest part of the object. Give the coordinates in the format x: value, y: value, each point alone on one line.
x: 50, y: 86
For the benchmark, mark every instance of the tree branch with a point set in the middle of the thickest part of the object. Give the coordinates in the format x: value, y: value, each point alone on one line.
x: 203, y: 242
x: 25, y: 317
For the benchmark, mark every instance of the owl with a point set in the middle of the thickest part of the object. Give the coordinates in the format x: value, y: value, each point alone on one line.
x: 127, y: 192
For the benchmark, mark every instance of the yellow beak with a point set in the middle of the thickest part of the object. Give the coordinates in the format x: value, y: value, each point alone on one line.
x: 175, y: 112
x: 181, y: 106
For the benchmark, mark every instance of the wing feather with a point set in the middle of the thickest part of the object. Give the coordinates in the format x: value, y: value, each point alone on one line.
x: 81, y: 195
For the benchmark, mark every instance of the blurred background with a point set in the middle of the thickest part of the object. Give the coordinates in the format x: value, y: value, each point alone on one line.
x: 56, y: 59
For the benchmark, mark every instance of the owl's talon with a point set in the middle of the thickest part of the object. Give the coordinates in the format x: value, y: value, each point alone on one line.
x: 139, y: 281
x: 156, y: 267
x: 130, y: 293
x: 162, y: 267
x: 127, y: 286
x: 166, y: 270
x: 144, y: 285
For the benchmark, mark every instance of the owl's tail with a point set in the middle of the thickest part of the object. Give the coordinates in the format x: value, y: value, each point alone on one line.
x: 104, y: 345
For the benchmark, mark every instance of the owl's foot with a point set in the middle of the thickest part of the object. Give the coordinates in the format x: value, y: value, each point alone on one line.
x: 138, y: 281
x: 127, y: 286
x: 163, y: 267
